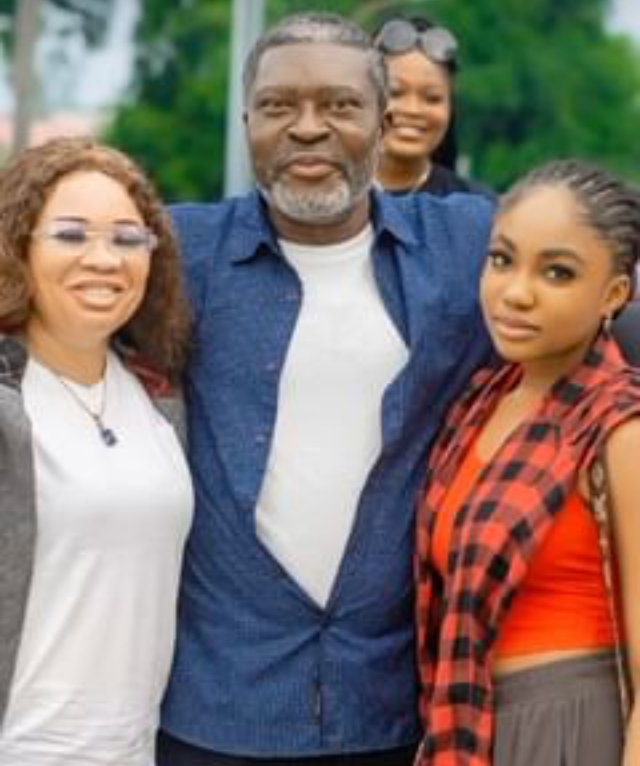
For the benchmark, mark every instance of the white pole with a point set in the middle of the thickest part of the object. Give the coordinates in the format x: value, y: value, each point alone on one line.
x: 27, y: 23
x: 246, y: 26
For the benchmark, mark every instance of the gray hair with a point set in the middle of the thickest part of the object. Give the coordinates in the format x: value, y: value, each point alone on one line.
x: 318, y: 27
x: 609, y: 206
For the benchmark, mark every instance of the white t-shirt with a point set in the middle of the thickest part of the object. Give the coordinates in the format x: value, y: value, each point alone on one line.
x: 99, y: 629
x: 344, y: 352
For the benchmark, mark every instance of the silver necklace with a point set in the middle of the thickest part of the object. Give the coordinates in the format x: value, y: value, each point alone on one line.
x: 415, y: 186
x: 422, y: 179
x: 106, y: 434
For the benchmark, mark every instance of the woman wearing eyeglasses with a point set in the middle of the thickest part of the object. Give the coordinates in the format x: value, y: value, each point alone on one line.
x: 95, y: 495
x: 419, y: 148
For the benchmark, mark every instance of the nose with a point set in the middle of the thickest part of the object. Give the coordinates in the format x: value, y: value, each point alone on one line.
x: 99, y: 254
x: 309, y: 124
x: 519, y: 291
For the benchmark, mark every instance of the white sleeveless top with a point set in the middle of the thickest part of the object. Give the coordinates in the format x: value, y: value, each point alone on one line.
x: 100, y: 621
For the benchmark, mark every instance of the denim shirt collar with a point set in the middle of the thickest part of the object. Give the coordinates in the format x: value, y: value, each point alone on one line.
x: 260, y: 233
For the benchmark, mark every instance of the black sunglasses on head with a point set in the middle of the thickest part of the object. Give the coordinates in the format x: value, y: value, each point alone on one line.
x: 400, y: 36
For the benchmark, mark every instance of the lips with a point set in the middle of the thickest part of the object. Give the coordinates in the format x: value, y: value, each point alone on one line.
x: 310, y: 166
x: 406, y: 127
x: 98, y: 285
x: 514, y: 328
x: 409, y: 132
x: 95, y: 294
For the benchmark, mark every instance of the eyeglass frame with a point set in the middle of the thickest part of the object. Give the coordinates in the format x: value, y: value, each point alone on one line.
x: 446, y: 45
x: 46, y: 233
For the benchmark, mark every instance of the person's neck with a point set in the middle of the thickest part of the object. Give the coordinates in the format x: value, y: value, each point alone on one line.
x: 396, y: 174
x: 325, y: 233
x: 541, y: 375
x: 84, y: 365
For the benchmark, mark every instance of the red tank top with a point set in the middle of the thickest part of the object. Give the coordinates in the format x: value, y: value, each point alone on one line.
x: 562, y: 602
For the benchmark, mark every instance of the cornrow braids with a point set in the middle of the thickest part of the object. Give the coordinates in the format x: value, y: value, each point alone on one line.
x: 609, y: 205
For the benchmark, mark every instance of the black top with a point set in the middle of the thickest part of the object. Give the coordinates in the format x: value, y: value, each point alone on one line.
x: 442, y: 181
x: 626, y: 330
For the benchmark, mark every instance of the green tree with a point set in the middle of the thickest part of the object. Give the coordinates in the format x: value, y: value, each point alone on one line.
x: 174, y: 120
x: 539, y: 79
x: 542, y: 80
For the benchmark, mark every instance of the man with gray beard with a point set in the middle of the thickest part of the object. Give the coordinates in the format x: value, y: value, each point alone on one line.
x: 333, y: 325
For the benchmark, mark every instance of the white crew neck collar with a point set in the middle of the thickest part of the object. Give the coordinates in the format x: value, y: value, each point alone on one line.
x: 332, y: 253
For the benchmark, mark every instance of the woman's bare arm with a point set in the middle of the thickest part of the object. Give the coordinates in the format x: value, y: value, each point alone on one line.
x: 623, y: 464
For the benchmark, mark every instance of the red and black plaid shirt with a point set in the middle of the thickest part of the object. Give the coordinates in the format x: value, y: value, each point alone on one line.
x: 495, y: 533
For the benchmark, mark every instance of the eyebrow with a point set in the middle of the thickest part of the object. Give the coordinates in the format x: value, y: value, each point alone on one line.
x: 70, y: 218
x: 504, y: 240
x: 295, y: 90
x: 561, y: 252
x: 431, y: 87
x: 86, y: 222
x: 547, y: 254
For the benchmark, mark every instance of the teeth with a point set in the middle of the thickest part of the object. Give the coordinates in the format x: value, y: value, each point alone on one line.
x: 409, y: 129
x: 102, y: 289
x: 97, y: 293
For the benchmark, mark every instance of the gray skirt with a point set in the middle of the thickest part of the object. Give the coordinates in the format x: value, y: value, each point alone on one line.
x: 566, y: 713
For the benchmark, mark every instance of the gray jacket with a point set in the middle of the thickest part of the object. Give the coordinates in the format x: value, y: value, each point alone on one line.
x: 18, y: 526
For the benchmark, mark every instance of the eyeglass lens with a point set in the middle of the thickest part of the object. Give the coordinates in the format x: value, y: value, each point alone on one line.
x: 121, y: 237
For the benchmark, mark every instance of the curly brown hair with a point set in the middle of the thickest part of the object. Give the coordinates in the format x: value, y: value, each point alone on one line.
x: 159, y: 329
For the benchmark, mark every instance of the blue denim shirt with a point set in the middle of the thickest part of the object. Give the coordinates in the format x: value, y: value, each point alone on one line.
x: 260, y: 669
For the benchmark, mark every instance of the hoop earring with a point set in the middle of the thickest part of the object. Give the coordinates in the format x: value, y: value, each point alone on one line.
x: 607, y: 324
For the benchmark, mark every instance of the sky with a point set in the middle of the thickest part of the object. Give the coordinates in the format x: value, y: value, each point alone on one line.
x: 626, y: 17
x: 85, y: 79
x: 98, y: 78
x: 88, y: 80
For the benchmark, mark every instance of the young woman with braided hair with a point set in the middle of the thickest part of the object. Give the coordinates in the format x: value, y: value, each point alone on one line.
x: 528, y: 600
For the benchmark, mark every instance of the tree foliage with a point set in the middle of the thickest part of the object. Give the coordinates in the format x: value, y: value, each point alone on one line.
x: 174, y: 120
x: 539, y: 79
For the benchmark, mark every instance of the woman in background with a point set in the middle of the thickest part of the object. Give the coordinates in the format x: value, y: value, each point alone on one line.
x: 419, y: 148
x: 95, y: 495
x: 528, y: 587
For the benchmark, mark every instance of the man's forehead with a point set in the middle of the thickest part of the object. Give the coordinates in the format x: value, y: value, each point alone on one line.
x: 320, y: 64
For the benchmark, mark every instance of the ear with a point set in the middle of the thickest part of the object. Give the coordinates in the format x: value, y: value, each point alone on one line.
x: 617, y: 293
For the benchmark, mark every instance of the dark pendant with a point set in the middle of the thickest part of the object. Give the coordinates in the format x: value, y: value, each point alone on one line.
x: 107, y: 435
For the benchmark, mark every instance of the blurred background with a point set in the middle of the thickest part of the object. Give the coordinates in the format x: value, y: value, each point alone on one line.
x: 158, y: 78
